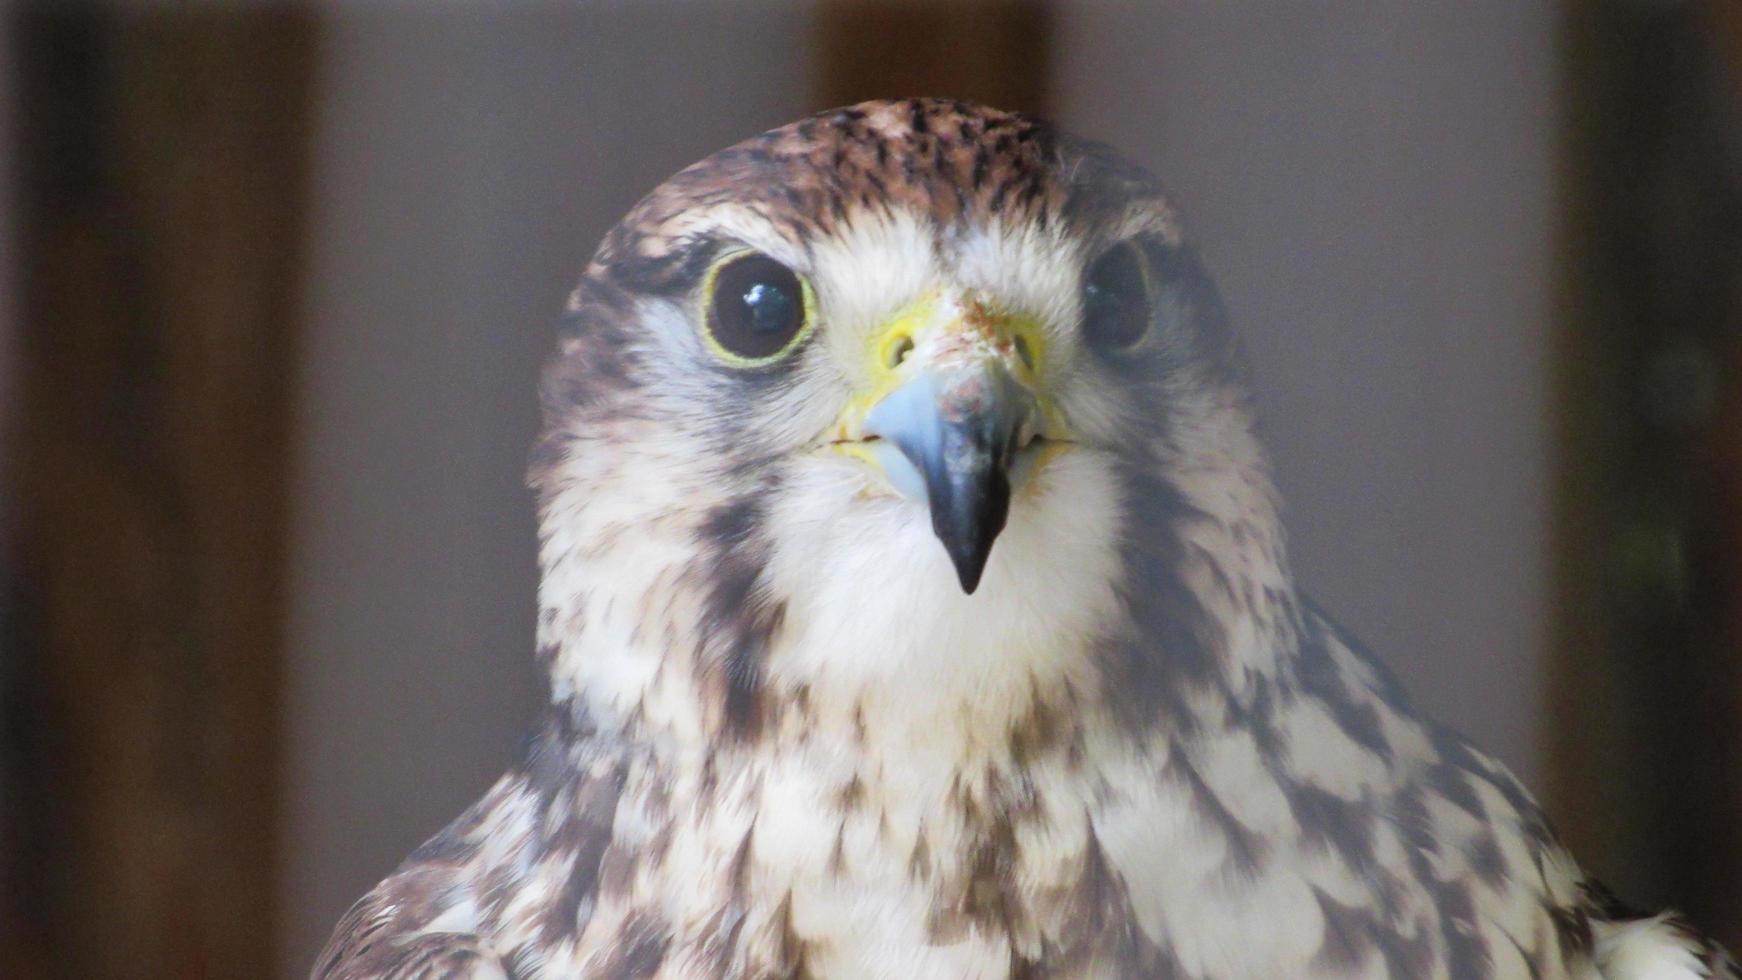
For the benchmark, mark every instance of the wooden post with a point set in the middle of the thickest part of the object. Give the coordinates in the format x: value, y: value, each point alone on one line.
x: 1646, y: 674
x: 162, y: 156
x: 991, y: 51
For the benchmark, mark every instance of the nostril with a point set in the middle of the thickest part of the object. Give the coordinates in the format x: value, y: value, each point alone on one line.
x: 898, y: 353
x: 1024, y: 352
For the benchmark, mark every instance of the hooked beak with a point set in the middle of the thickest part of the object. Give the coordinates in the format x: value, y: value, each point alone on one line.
x: 957, y: 431
x: 955, y: 410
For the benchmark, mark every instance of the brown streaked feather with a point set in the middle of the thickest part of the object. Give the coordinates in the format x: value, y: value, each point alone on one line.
x: 1221, y: 783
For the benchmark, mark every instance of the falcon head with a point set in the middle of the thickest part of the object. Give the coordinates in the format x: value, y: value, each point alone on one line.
x: 917, y: 399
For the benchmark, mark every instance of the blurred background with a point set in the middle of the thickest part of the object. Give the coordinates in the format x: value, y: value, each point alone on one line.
x: 275, y: 282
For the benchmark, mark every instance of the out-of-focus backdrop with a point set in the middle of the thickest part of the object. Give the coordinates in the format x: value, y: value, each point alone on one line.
x: 275, y: 282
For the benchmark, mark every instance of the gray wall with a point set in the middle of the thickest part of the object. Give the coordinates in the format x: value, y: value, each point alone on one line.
x: 1369, y: 180
x: 468, y: 161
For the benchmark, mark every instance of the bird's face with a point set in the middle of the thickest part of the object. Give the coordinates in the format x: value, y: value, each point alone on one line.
x: 885, y: 384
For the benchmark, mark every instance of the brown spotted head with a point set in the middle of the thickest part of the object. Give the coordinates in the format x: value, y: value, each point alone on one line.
x: 906, y: 383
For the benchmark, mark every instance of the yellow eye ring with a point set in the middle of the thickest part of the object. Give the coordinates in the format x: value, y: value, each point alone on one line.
x: 755, y: 311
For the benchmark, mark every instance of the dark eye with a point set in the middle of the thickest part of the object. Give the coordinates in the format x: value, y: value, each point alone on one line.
x: 1115, y: 299
x: 756, y: 310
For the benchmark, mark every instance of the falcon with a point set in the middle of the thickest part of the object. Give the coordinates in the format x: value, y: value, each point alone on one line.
x: 915, y: 604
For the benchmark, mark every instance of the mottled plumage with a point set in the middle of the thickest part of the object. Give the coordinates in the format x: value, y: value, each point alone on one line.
x: 784, y: 740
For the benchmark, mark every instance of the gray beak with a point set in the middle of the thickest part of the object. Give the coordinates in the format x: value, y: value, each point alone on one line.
x: 959, y: 429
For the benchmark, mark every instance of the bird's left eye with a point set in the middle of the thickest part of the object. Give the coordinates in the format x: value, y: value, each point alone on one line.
x: 758, y: 310
x: 1116, y: 303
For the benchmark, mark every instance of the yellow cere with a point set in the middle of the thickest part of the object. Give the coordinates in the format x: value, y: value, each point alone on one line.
x: 1019, y: 339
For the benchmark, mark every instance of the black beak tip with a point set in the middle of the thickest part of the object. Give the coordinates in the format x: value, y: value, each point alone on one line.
x: 968, y: 516
x: 970, y: 566
x: 970, y: 551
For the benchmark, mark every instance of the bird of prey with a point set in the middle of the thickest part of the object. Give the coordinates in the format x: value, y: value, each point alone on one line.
x: 915, y: 605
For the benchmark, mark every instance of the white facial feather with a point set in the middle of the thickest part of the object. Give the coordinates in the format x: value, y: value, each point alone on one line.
x: 876, y: 609
x: 872, y: 602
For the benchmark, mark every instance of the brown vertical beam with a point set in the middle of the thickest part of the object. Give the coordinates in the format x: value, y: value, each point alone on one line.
x: 991, y: 51
x: 1646, y: 674
x: 162, y: 156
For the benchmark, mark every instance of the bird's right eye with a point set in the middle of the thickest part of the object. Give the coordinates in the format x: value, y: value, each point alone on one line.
x: 758, y: 310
